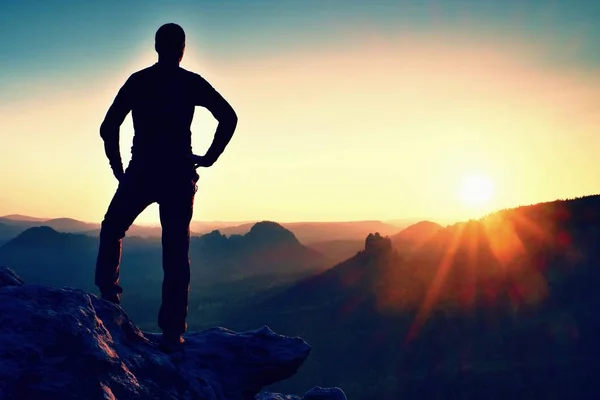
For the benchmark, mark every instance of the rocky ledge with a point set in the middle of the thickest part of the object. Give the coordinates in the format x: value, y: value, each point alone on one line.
x: 63, y: 343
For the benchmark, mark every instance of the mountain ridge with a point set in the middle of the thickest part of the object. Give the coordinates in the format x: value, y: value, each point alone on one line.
x: 306, y: 232
x: 496, y: 287
x: 267, y: 249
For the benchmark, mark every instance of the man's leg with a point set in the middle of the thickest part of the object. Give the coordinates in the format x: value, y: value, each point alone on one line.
x: 127, y: 203
x: 176, y: 208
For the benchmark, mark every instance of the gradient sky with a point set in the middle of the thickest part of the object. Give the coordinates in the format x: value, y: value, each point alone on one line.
x: 347, y: 110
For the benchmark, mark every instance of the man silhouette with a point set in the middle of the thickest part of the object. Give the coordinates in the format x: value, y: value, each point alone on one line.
x: 162, y: 169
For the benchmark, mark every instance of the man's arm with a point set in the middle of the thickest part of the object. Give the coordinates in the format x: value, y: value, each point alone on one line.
x: 109, y: 129
x: 208, y: 97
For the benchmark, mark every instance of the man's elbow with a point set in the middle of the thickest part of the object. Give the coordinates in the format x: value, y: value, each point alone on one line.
x: 230, y: 119
x: 234, y: 119
x: 108, y: 131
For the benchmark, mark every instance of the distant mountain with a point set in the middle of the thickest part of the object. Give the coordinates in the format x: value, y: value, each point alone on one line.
x: 355, y: 278
x: 43, y: 255
x: 19, y: 217
x: 18, y: 223
x: 513, y: 294
x: 269, y: 255
x: 405, y: 222
x: 267, y: 249
x: 415, y: 235
x: 70, y: 225
x: 306, y: 232
x: 311, y: 232
x: 208, y: 226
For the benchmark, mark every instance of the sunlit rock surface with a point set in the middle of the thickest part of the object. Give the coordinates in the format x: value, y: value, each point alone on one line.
x: 63, y: 343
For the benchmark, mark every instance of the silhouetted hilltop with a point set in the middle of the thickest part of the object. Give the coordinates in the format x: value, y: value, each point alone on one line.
x: 89, y: 348
x: 43, y: 235
x: 577, y: 213
x: 415, y: 235
x: 510, y: 301
x: 268, y: 248
x: 272, y: 232
x: 10, y: 228
x: 43, y: 255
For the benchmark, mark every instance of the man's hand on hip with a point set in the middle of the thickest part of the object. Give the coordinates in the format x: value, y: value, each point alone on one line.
x: 201, y: 161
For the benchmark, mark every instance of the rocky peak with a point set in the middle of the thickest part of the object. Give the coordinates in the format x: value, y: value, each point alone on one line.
x: 377, y: 244
x: 68, y: 344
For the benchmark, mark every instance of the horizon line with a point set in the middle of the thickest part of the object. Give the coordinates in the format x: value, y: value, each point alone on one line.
x: 32, y: 218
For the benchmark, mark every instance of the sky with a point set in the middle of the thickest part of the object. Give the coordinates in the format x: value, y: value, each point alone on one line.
x: 348, y: 110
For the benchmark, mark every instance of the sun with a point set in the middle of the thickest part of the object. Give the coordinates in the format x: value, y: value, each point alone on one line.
x: 476, y: 190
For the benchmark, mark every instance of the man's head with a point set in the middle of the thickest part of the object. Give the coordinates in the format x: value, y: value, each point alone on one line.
x: 169, y: 42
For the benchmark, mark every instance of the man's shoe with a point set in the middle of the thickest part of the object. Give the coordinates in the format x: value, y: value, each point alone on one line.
x: 170, y: 343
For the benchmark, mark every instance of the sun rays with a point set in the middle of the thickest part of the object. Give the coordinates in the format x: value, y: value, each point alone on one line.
x: 488, y: 263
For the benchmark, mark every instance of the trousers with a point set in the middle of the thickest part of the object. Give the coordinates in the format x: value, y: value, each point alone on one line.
x: 174, y: 194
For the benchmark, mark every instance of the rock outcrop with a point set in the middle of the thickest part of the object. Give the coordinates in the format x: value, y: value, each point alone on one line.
x: 63, y: 343
x: 377, y: 244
